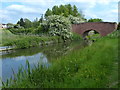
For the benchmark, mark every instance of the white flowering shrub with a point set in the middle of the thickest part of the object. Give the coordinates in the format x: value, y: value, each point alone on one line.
x: 75, y: 20
x: 59, y: 26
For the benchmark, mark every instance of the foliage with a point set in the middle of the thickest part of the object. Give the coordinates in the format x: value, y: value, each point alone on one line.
x: 23, y: 31
x: 59, y: 26
x: 25, y: 41
x: 75, y: 20
x: 36, y: 23
x: 95, y: 20
x: 118, y: 28
x: 115, y: 34
x: 64, y: 10
x: 10, y: 25
x: 92, y: 36
x: 31, y: 41
x: 21, y: 22
x: 86, y: 68
x: 76, y: 37
x: 26, y: 23
x: 75, y: 11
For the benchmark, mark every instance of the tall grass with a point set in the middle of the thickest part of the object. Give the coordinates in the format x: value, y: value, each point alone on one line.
x: 90, y: 67
x: 6, y: 36
x: 77, y: 36
x: 25, y: 41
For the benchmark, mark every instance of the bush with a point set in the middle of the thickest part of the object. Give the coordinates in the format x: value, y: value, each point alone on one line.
x: 59, y: 26
x: 114, y: 34
x: 76, y: 36
x: 75, y: 20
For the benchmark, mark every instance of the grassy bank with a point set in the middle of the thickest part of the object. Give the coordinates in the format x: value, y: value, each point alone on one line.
x: 25, y: 41
x: 91, y: 67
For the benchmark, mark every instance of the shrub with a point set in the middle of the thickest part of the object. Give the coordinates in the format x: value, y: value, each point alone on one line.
x: 114, y: 34
x: 76, y: 36
x: 75, y: 20
x: 59, y: 26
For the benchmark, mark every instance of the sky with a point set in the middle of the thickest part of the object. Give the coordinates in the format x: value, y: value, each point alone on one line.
x: 12, y: 10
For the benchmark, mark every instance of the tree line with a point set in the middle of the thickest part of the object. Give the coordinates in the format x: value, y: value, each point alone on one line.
x: 64, y: 10
x: 56, y: 21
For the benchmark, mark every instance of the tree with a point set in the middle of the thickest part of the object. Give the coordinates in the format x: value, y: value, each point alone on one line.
x: 118, y: 28
x: 41, y: 19
x: 55, y: 10
x: 10, y: 25
x: 36, y: 23
x: 95, y: 20
x: 75, y: 11
x: 17, y: 26
x: 21, y: 22
x: 64, y: 10
x: 75, y: 20
x: 48, y: 12
x: 69, y: 9
x: 27, y: 23
x: 59, y: 26
x: 61, y: 9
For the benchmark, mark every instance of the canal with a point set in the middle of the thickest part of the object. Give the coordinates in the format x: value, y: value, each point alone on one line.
x: 12, y: 60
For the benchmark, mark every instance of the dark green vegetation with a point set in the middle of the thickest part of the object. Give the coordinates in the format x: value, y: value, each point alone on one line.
x: 55, y: 28
x: 41, y: 26
x: 91, y: 67
x: 26, y: 41
x: 64, y: 10
x: 118, y: 28
x: 95, y: 20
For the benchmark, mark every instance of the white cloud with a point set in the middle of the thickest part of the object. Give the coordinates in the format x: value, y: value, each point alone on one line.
x: 22, y: 8
x: 107, y: 1
x: 114, y: 11
x: 31, y: 8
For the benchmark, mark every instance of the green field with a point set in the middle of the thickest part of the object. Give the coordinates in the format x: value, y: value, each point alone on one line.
x: 95, y: 66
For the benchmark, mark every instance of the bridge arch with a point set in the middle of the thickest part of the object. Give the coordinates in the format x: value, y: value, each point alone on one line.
x: 87, y: 32
x: 103, y: 28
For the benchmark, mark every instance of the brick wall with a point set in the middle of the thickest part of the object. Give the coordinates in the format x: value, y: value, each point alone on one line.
x: 103, y: 28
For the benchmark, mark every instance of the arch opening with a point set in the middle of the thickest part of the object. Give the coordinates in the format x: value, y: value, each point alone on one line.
x: 91, y: 34
x: 88, y: 32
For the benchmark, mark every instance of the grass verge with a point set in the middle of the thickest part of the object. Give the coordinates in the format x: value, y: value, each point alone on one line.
x: 90, y: 67
x: 25, y: 41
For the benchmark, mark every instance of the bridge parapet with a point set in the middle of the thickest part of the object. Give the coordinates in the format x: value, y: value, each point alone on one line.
x: 103, y: 28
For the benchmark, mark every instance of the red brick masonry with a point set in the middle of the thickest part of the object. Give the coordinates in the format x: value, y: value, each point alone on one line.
x: 103, y: 28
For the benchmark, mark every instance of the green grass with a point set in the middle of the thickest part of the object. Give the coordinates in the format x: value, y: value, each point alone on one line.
x: 91, y: 67
x: 25, y: 41
x: 6, y: 36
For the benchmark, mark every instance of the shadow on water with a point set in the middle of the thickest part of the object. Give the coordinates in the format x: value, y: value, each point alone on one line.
x: 13, y: 59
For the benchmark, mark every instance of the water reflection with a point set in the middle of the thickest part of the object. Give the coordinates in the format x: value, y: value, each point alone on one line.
x: 13, y: 59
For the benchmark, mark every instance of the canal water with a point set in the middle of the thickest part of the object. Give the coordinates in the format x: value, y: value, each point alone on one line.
x: 12, y: 60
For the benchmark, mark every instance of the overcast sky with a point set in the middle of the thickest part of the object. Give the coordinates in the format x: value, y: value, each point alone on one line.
x: 12, y: 10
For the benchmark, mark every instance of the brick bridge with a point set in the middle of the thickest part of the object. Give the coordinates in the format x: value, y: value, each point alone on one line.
x: 103, y: 28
